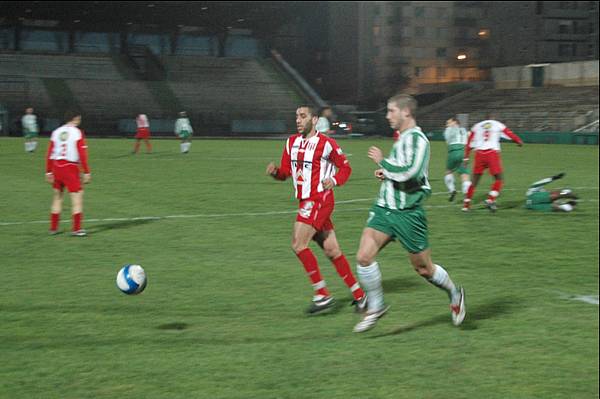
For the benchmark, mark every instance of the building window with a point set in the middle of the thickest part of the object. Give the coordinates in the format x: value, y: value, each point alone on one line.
x: 567, y: 50
x: 564, y: 26
x: 441, y: 33
x: 406, y: 32
x: 441, y: 12
x: 376, y: 31
x: 420, y: 52
x: 418, y: 71
x: 590, y: 50
x: 376, y: 10
x: 420, y: 31
x: 441, y: 52
x: 398, y: 12
x: 419, y: 12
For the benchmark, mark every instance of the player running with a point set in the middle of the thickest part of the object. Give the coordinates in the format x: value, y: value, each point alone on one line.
x: 311, y: 159
x: 183, y: 130
x: 538, y: 199
x: 398, y: 214
x: 67, y: 152
x: 30, y: 130
x: 485, y: 139
x: 456, y: 139
x: 143, y: 133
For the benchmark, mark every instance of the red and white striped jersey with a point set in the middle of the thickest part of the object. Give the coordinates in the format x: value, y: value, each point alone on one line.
x: 486, y: 135
x: 142, y: 121
x: 310, y: 161
x: 67, y: 143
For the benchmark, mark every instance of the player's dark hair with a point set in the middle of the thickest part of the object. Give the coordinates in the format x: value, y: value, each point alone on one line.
x: 323, y: 109
x: 454, y: 118
x: 71, y: 114
x: 404, y: 101
x: 311, y: 110
x: 491, y: 115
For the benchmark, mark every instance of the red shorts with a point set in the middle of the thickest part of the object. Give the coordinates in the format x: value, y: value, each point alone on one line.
x: 317, y: 212
x: 142, y: 133
x: 66, y: 174
x: 488, y: 159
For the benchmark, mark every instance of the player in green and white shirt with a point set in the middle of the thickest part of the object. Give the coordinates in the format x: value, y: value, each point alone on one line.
x: 398, y: 214
x: 456, y: 139
x: 30, y: 130
x: 183, y: 130
x: 538, y: 199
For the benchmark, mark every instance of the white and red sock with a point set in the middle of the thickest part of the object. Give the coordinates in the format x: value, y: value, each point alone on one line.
x: 495, y: 191
x: 312, y: 269
x: 343, y: 268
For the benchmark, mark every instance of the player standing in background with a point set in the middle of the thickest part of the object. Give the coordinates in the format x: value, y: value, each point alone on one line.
x: 539, y: 199
x: 67, y: 152
x: 323, y: 124
x: 183, y: 130
x: 456, y: 139
x: 485, y: 139
x: 311, y: 159
x: 30, y: 130
x: 398, y: 214
x: 143, y: 133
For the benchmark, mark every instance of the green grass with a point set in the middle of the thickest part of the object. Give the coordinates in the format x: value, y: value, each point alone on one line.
x: 222, y: 316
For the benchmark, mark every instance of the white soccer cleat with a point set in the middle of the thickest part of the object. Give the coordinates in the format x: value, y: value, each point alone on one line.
x: 369, y: 321
x: 459, y: 311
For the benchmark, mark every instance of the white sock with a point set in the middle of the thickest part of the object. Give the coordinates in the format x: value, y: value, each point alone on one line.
x: 442, y: 280
x: 370, y: 281
x: 188, y: 146
x: 565, y: 207
x: 449, y: 180
x: 33, y: 146
x: 465, y: 186
x: 182, y: 146
x: 27, y: 147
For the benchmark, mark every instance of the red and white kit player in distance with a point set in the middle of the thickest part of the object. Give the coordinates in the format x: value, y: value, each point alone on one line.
x: 485, y: 139
x: 142, y: 133
x: 311, y: 159
x: 67, y: 153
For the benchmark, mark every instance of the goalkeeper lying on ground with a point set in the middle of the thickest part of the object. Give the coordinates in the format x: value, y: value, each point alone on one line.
x: 538, y: 199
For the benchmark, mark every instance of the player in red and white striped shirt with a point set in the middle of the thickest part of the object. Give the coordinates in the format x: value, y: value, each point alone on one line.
x: 485, y: 139
x: 143, y: 133
x: 67, y: 152
x: 311, y: 158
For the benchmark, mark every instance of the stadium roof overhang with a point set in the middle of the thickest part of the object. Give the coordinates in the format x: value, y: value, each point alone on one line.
x: 261, y: 17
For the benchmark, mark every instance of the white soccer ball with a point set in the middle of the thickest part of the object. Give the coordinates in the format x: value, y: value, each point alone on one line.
x: 131, y: 279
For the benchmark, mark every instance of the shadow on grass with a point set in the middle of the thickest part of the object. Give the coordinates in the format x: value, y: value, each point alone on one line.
x: 401, y: 284
x: 121, y: 224
x: 173, y: 326
x: 475, y: 314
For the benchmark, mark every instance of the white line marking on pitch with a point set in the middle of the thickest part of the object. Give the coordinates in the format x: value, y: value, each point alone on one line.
x: 221, y: 215
x: 591, y: 299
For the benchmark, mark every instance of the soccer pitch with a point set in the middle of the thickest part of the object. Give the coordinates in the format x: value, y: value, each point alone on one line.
x: 222, y: 316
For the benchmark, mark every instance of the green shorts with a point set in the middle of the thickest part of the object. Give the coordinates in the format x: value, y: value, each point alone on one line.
x: 455, y: 162
x: 184, y: 134
x: 408, y: 226
x: 539, y: 201
x: 30, y: 134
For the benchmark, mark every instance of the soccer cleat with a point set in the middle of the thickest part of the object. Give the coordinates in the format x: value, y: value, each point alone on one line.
x: 491, y: 205
x: 459, y: 310
x: 465, y: 209
x: 452, y: 196
x: 369, y: 321
x: 360, y: 305
x: 53, y: 232
x: 79, y: 233
x: 320, y: 304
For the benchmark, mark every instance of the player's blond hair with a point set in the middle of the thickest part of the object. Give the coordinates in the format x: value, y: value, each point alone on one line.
x: 403, y: 101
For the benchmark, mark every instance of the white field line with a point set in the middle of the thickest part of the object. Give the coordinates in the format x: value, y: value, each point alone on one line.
x: 224, y: 215
x: 591, y: 299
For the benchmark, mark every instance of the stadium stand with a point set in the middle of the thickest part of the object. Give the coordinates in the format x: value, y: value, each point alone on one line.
x: 530, y: 109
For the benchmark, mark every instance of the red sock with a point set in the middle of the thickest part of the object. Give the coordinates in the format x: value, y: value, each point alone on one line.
x: 54, y: 218
x: 312, y: 269
x: 470, y: 191
x: 495, y: 191
x: 77, y: 221
x: 343, y: 268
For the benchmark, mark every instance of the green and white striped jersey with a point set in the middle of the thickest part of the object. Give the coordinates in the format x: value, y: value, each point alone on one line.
x: 406, y: 170
x: 456, y: 137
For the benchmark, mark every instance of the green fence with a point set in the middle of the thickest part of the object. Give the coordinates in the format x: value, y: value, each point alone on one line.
x: 542, y: 137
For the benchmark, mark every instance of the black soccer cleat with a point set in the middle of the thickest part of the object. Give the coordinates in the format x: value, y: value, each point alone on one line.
x: 491, y: 205
x: 452, y: 196
x: 360, y: 305
x: 320, y: 304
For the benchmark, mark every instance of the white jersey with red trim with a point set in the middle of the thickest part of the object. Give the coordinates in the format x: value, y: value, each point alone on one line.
x: 487, y: 135
x: 65, y: 141
x: 142, y: 121
x: 310, y: 161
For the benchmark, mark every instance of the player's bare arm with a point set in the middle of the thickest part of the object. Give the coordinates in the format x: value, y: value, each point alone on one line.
x: 375, y: 154
x: 50, y: 177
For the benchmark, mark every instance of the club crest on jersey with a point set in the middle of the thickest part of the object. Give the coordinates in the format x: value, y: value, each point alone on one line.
x: 306, y: 209
x: 487, y: 126
x: 63, y: 136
